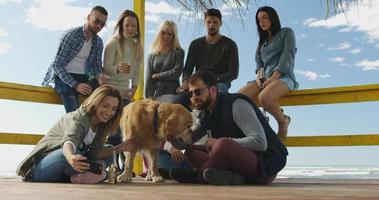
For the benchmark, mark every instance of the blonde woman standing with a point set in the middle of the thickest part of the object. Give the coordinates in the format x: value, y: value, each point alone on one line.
x: 165, y: 62
x: 164, y: 67
x: 123, y: 55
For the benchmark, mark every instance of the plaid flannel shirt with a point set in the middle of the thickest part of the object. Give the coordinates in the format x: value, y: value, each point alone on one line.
x: 71, y: 43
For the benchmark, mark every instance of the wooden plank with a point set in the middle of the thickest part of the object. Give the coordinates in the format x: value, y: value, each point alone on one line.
x: 299, y: 141
x: 291, y: 189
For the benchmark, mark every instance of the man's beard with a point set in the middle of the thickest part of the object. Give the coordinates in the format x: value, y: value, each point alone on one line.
x: 212, y: 32
x: 92, y: 30
x: 204, y: 105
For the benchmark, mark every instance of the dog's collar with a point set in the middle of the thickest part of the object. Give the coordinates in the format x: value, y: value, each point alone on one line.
x: 156, y: 119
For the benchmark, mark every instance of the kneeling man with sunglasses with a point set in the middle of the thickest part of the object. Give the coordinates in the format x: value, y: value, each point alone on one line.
x: 242, y: 148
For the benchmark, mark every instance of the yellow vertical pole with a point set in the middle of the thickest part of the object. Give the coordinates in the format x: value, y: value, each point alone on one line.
x: 139, y: 9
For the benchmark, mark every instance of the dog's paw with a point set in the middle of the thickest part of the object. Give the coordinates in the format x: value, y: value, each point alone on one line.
x: 148, y: 178
x: 157, y: 179
x: 124, y: 178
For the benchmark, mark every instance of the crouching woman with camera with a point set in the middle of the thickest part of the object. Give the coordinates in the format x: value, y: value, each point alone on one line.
x: 73, y: 149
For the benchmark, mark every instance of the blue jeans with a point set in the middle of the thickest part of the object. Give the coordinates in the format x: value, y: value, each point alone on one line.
x: 223, y: 87
x: 165, y: 161
x: 55, y: 168
x: 68, y: 95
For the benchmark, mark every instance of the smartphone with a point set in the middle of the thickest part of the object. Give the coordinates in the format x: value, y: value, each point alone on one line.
x: 94, y: 166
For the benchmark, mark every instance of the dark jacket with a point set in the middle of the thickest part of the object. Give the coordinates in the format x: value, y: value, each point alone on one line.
x: 221, y: 124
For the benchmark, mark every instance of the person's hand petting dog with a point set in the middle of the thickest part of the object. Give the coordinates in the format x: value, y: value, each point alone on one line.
x: 177, y: 155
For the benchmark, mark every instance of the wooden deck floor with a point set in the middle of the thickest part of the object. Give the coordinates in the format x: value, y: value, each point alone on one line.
x: 12, y: 188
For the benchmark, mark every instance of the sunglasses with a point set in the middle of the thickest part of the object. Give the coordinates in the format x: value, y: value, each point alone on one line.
x: 197, y: 92
x: 98, y: 22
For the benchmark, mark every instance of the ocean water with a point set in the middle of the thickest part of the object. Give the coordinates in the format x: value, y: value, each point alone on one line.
x: 11, y: 156
x: 306, y: 172
x: 330, y: 172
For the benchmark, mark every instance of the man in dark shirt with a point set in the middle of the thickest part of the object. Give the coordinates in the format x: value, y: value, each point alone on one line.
x: 241, y: 146
x: 214, y: 52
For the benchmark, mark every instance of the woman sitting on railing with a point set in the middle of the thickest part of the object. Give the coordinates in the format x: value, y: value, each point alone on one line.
x: 275, y: 57
x: 73, y: 149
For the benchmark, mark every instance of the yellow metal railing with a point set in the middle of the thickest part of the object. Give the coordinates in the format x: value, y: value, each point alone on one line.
x: 348, y: 94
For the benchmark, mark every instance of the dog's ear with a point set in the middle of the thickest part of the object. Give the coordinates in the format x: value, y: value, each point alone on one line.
x: 170, y: 126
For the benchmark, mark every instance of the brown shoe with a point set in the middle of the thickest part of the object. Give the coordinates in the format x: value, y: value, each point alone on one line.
x: 283, y: 128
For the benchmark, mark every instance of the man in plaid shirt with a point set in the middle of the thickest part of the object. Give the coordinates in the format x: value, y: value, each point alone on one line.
x: 77, y: 67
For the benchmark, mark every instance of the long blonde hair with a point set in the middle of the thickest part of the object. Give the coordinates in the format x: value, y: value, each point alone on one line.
x: 119, y: 31
x: 93, y: 102
x: 157, y: 45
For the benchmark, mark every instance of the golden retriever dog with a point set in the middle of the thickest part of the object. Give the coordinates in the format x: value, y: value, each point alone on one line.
x: 150, y: 122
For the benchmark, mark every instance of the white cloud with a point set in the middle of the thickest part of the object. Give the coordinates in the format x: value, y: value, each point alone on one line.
x: 308, y: 21
x: 361, y: 17
x: 311, y: 60
x: 55, y: 15
x: 233, y: 8
x: 313, y: 76
x: 4, y: 48
x: 367, y: 65
x: 341, y: 46
x: 152, y: 31
x: 337, y: 59
x: 348, y: 29
x: 320, y: 76
x: 302, y: 36
x: 355, y: 51
x: 227, y: 9
x: 153, y: 18
x: 10, y: 1
x: 3, y: 33
x: 154, y: 12
x: 161, y: 7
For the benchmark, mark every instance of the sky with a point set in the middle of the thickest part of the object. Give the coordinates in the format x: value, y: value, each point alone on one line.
x: 341, y: 50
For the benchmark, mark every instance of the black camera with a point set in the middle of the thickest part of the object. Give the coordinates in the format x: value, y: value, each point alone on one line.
x: 92, y: 81
x: 94, y: 166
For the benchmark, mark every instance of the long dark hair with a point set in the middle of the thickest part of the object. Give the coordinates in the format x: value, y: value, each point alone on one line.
x: 275, y: 24
x: 119, y: 29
